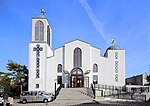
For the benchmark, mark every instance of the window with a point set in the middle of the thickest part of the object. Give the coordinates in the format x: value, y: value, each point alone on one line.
x: 40, y: 93
x: 33, y: 93
x: 95, y: 79
x: 95, y: 68
x: 77, y: 57
x: 25, y: 93
x: 48, y: 35
x: 116, y: 63
x: 116, y: 66
x: 37, y: 73
x: 59, y: 68
x: 116, y: 55
x: 37, y: 85
x: 39, y: 31
x: 116, y: 77
x: 59, y: 79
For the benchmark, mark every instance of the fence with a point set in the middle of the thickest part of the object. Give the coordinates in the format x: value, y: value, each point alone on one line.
x: 125, y: 92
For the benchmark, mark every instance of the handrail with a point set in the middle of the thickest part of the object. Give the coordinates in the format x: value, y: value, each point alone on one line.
x: 90, y: 92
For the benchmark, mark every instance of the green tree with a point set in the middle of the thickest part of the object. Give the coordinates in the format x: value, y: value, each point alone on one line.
x: 19, y: 73
x: 5, y: 82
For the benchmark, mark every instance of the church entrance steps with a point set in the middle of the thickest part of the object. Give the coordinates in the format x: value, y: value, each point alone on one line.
x: 68, y: 96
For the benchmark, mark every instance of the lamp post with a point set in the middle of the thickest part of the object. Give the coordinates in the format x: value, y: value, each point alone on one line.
x: 87, y: 72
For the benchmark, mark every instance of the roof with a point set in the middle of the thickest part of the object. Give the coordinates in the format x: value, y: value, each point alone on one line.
x: 40, y: 16
x: 77, y: 40
x: 113, y: 47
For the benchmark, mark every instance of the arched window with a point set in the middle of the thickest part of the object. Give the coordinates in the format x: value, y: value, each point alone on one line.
x: 95, y: 79
x: 39, y: 31
x: 59, y: 79
x: 48, y: 35
x: 59, y: 68
x: 95, y: 68
x: 77, y: 57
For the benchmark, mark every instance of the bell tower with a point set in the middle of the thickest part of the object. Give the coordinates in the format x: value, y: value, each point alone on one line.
x: 41, y: 30
x: 40, y: 49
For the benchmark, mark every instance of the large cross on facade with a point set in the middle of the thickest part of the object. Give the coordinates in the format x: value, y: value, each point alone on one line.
x: 37, y: 49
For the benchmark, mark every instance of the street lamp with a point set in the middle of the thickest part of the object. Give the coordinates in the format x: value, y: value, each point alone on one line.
x: 87, y: 72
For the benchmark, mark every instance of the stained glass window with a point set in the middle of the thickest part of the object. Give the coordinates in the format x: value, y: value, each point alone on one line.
x: 95, y: 68
x: 59, y: 68
x: 77, y: 57
x: 39, y: 31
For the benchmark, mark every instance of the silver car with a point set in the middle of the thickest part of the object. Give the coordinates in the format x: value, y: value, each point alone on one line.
x: 35, y: 96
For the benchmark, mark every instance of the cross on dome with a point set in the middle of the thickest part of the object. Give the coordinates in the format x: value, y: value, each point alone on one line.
x: 43, y: 11
x: 113, y: 41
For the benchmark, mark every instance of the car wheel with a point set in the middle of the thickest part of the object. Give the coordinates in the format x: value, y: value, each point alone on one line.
x: 24, y: 101
x: 45, y: 100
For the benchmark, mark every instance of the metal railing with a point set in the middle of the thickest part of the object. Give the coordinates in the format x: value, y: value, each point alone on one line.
x: 57, y: 90
x: 140, y: 93
x: 90, y: 92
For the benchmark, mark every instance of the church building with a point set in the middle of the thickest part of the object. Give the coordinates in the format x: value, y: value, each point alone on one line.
x: 75, y: 64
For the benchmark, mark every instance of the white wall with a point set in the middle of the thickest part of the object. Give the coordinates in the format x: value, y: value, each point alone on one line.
x: 69, y: 50
x: 58, y: 55
x: 109, y: 68
x: 32, y: 67
x: 50, y: 73
x: 90, y: 56
x: 94, y: 59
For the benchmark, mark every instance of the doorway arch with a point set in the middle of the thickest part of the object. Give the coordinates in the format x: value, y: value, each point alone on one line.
x: 77, y: 78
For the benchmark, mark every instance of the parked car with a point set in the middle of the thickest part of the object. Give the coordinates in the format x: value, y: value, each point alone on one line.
x: 1, y: 101
x: 35, y: 96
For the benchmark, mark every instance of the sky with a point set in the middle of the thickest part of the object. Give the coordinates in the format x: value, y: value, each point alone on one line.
x: 93, y: 21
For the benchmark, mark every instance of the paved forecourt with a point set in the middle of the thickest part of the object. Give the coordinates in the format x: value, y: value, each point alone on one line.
x: 78, y: 97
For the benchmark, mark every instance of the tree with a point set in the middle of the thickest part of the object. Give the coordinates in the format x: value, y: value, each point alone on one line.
x: 19, y: 73
x: 5, y: 82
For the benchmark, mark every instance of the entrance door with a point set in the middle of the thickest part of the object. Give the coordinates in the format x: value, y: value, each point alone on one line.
x: 77, y: 78
x: 86, y: 81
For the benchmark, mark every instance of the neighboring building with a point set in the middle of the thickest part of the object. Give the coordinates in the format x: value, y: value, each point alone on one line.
x: 75, y: 64
x: 137, y: 80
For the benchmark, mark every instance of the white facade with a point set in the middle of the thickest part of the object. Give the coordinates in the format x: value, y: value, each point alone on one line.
x: 72, y: 64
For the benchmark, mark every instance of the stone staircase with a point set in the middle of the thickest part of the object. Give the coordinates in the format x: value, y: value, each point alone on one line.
x: 71, y: 96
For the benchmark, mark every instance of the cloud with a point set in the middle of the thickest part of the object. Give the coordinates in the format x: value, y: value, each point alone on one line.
x: 97, y: 23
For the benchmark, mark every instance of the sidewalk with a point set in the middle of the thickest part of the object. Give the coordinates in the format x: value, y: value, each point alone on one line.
x: 120, y: 102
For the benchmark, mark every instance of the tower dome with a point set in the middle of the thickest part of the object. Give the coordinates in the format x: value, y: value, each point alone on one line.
x: 113, y: 47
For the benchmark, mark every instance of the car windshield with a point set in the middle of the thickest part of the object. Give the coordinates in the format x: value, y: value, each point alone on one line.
x: 25, y: 93
x: 46, y: 93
